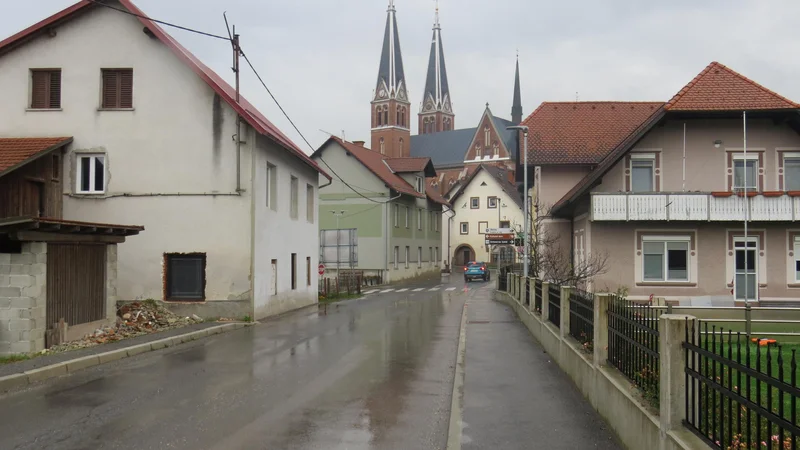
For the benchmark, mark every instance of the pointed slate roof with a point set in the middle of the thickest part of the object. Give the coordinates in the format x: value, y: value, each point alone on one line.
x: 391, y: 76
x: 245, y: 109
x: 437, y: 90
x: 718, y: 88
x: 516, y: 109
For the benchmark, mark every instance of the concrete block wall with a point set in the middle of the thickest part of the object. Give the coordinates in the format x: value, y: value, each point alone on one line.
x: 23, y: 301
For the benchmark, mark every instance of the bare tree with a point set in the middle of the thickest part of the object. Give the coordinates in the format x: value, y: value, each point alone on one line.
x: 551, y: 254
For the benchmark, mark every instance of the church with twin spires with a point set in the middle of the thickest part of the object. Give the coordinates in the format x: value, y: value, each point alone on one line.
x: 455, y: 153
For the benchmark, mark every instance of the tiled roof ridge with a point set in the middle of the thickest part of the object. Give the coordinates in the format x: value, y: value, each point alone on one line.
x: 716, y: 65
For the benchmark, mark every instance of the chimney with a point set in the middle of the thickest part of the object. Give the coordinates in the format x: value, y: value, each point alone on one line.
x: 359, y: 143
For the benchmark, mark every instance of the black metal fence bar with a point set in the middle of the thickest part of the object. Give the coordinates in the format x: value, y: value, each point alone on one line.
x: 537, y: 296
x: 581, y: 316
x: 527, y: 300
x: 633, y: 344
x: 740, y: 394
x: 554, y: 304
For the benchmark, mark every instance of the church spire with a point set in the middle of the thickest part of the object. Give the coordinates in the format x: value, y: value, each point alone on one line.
x: 391, y: 77
x: 516, y: 110
x: 436, y: 111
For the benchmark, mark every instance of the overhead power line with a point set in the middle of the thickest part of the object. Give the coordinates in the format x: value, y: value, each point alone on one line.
x: 191, y: 30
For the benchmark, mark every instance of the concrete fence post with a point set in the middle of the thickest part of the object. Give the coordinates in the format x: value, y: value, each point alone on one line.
x: 531, y: 293
x: 565, y: 291
x: 545, y: 301
x: 672, y: 333
x: 602, y: 302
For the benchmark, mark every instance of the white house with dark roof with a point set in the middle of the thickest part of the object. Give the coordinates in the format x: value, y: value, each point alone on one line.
x: 231, y: 214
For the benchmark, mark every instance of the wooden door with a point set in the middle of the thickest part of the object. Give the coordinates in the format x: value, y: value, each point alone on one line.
x: 76, y: 283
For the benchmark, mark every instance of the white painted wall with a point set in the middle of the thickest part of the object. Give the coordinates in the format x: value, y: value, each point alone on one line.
x: 463, y: 213
x: 177, y: 140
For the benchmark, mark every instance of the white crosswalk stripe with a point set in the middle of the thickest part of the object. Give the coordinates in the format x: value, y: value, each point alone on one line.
x: 402, y: 290
x: 371, y: 292
x: 433, y: 289
x: 419, y: 289
x: 450, y: 289
x: 386, y: 290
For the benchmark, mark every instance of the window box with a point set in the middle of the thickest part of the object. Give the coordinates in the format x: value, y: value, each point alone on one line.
x: 748, y: 193
x: 793, y: 193
x: 773, y: 193
x: 722, y: 194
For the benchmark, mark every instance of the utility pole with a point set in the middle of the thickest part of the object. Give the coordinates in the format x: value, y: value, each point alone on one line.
x: 237, y: 51
x: 524, y: 130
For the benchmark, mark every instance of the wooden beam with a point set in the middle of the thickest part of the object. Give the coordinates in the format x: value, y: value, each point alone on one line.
x: 39, y: 236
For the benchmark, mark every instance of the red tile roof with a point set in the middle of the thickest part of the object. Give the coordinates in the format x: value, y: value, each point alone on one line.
x: 408, y: 164
x: 376, y: 163
x: 718, y: 88
x: 582, y: 132
x: 244, y: 108
x: 16, y: 152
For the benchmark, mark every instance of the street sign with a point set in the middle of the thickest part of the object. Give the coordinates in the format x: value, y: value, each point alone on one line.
x: 499, y: 231
x: 321, y: 268
x: 499, y: 238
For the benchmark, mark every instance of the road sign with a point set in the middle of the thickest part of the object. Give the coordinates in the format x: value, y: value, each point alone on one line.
x: 499, y: 238
x: 499, y: 231
x: 321, y: 268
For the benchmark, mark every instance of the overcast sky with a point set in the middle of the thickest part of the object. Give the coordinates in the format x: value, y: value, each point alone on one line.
x: 320, y: 57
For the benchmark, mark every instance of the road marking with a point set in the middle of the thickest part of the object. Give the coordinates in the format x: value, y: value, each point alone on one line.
x: 456, y: 413
x: 402, y: 290
x: 387, y: 290
x: 433, y: 289
x: 450, y: 289
x: 371, y: 292
x: 418, y: 289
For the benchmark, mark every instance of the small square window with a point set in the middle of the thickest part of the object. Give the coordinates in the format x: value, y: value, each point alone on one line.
x: 186, y: 276
x: 46, y: 89
x: 117, y: 89
x: 464, y: 227
x: 491, y: 203
x: 474, y: 203
x: 91, y: 174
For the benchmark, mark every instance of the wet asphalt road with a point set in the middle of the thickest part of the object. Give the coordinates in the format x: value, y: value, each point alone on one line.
x: 365, y: 374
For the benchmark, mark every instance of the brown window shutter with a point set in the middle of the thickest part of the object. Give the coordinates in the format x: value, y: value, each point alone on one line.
x: 126, y: 88
x: 39, y: 88
x: 55, y: 89
x: 110, y: 89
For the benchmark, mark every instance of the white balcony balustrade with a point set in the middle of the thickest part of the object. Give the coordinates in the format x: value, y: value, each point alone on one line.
x: 694, y: 206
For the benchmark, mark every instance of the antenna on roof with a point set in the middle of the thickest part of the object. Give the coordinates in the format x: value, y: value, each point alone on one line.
x: 576, y: 96
x: 343, y: 136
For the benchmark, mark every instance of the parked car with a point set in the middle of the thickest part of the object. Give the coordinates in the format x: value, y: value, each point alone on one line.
x: 476, y: 269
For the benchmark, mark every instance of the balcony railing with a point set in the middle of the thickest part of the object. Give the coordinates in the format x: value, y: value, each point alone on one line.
x: 695, y: 206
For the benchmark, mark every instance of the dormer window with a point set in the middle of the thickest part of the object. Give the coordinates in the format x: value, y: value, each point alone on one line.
x: 420, y: 185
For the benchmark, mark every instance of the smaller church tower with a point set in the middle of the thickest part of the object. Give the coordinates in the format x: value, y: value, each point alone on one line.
x: 516, y: 109
x: 436, y: 112
x: 391, y: 131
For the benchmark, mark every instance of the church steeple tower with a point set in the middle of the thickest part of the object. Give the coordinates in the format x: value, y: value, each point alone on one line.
x: 391, y: 134
x: 436, y: 112
x: 516, y: 110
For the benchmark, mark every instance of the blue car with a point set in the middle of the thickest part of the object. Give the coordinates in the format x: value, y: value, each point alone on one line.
x: 476, y: 269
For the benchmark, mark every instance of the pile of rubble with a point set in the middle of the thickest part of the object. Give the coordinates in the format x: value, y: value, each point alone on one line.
x: 133, y: 319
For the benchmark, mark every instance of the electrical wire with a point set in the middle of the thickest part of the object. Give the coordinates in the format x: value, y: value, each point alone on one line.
x: 191, y: 30
x: 285, y: 114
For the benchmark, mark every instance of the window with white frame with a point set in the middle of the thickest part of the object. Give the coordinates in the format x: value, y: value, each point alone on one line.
x: 464, y: 227
x: 474, y: 202
x: 420, y: 185
x: 791, y: 171
x: 665, y: 258
x: 91, y: 174
x: 797, y: 258
x: 272, y: 187
x: 492, y: 203
x: 294, y: 187
x: 643, y: 172
x: 745, y: 171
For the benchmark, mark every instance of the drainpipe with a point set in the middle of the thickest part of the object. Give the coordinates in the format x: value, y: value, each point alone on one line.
x: 449, y: 232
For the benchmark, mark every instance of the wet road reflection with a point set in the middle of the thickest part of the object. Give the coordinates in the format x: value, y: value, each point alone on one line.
x: 367, y: 374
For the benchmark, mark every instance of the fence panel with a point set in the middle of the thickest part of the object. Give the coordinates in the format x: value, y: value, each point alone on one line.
x: 740, y: 394
x: 554, y: 304
x: 581, y: 317
x: 633, y: 344
x: 537, y: 293
x: 527, y: 300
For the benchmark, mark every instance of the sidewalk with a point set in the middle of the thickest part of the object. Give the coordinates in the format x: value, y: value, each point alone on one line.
x: 515, y: 397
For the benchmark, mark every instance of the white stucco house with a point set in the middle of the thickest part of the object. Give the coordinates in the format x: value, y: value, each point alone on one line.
x: 232, y: 226
x: 484, y: 199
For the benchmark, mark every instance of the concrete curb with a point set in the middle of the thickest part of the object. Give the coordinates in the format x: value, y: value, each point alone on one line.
x: 457, y: 403
x: 19, y: 380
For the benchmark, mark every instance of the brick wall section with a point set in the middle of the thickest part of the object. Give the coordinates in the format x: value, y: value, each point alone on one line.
x: 23, y: 289
x: 111, y: 281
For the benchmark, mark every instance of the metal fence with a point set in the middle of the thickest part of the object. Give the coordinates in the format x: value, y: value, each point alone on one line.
x: 581, y: 316
x: 740, y: 394
x: 537, y: 296
x: 633, y: 344
x: 554, y: 304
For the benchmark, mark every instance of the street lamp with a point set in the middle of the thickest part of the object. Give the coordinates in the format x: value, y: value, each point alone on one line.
x: 524, y: 130
x: 338, y: 214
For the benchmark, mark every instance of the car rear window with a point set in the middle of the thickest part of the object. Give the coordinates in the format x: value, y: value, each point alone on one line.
x: 476, y: 265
